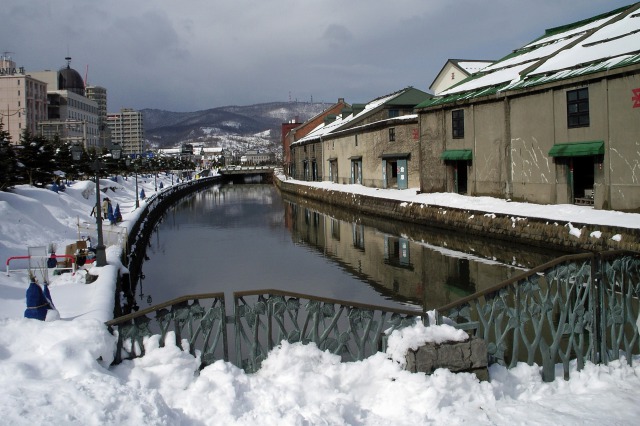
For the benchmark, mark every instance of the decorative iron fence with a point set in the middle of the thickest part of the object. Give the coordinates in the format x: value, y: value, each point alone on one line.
x: 195, y: 322
x: 582, y: 307
x: 261, y: 320
x: 352, y: 330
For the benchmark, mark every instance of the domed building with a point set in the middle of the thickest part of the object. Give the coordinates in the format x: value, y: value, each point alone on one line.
x: 69, y: 79
x: 71, y: 115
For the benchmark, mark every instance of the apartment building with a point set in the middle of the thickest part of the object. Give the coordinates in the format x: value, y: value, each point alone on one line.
x: 127, y: 129
x: 23, y: 99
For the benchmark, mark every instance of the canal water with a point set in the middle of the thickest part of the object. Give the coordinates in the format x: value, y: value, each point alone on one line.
x: 241, y: 237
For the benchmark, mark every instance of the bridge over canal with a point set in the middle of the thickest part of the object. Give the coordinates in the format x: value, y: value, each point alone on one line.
x: 240, y: 172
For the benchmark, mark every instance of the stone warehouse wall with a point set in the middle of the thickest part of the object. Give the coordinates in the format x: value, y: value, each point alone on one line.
x: 531, y: 231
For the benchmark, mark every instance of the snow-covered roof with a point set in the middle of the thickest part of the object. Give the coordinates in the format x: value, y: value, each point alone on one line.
x: 587, y: 46
x: 472, y: 66
x: 340, y: 122
x: 214, y: 150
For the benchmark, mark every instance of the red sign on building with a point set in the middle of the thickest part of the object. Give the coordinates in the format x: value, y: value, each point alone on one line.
x: 636, y: 98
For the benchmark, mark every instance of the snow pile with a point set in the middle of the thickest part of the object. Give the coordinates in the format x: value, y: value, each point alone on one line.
x: 57, y: 373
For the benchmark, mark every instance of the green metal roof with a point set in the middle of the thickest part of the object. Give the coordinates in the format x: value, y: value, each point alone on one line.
x: 535, y: 80
x: 577, y: 149
x: 599, y: 66
x: 457, y: 154
x: 567, y: 27
x: 442, y: 100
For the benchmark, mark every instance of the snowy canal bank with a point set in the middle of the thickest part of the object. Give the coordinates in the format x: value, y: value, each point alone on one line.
x: 563, y: 227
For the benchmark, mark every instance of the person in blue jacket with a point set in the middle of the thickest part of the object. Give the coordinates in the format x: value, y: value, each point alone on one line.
x: 110, y: 215
x: 116, y: 213
x: 39, y: 301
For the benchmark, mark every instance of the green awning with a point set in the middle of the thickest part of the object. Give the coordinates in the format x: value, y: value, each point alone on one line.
x: 457, y: 154
x: 577, y: 149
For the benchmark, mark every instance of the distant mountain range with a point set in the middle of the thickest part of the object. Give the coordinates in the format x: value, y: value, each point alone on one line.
x: 231, y: 127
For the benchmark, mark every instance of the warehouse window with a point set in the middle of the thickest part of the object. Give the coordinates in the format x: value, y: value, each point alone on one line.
x: 578, y: 108
x: 457, y: 123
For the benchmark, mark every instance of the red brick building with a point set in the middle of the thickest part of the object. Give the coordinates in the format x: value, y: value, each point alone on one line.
x: 293, y: 131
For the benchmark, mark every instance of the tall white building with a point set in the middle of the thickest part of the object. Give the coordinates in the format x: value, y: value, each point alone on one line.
x: 99, y: 95
x: 23, y: 99
x: 127, y: 129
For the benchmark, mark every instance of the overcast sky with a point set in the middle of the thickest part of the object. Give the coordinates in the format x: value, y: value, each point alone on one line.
x: 196, y: 54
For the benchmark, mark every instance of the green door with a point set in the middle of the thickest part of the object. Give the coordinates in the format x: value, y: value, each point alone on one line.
x: 403, y: 176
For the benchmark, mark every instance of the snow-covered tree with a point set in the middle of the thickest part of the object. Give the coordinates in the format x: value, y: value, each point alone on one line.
x: 8, y: 163
x: 36, y: 158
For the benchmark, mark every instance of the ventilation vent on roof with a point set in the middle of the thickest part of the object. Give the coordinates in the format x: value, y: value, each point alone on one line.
x: 345, y: 112
x: 329, y: 119
x: 358, y: 108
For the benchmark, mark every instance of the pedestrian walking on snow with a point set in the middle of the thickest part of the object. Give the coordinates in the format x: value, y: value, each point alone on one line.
x: 110, y: 215
x: 105, y: 207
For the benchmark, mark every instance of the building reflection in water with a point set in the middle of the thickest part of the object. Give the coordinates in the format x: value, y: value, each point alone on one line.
x: 406, y: 262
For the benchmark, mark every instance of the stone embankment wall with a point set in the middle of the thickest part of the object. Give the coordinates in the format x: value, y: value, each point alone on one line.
x: 526, y: 230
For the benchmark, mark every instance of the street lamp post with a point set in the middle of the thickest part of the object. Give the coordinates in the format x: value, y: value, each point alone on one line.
x: 76, y: 153
x: 9, y: 114
x: 135, y: 169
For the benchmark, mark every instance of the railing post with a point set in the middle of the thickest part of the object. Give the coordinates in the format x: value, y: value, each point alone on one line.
x: 596, y: 306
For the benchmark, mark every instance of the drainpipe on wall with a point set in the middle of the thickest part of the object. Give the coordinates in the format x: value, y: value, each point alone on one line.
x: 507, y: 155
x: 420, y: 165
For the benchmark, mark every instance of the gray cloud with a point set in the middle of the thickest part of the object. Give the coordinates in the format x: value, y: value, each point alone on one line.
x: 337, y: 35
x: 185, y: 56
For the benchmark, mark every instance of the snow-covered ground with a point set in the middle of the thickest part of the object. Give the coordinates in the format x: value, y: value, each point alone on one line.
x: 58, y: 372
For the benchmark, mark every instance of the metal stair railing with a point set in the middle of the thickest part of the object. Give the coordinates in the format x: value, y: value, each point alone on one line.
x: 582, y: 307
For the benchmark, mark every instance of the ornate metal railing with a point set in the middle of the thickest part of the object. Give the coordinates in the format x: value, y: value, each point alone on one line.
x: 261, y: 320
x: 195, y: 323
x: 582, y: 307
x: 352, y: 330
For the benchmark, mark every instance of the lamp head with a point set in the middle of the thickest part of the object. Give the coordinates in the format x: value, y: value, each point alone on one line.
x: 76, y: 152
x: 116, y: 151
